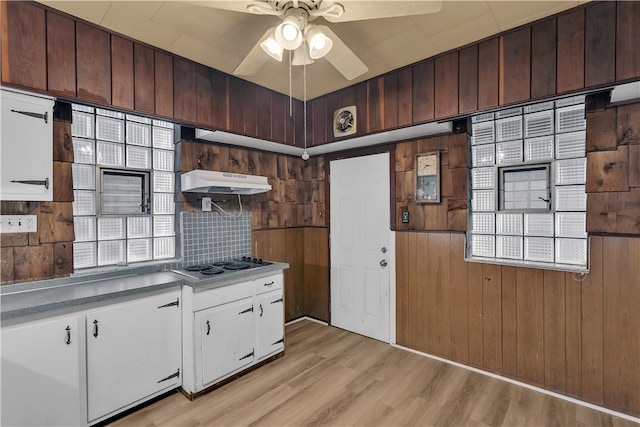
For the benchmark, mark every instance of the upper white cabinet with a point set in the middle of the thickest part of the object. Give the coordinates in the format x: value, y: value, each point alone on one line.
x: 41, y: 373
x: 26, y: 148
x: 133, y: 352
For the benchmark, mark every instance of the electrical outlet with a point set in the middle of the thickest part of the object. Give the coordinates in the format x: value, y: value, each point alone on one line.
x: 206, y: 204
x: 405, y: 217
x: 18, y: 223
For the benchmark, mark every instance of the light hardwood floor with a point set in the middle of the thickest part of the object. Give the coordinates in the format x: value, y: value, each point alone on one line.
x: 330, y: 377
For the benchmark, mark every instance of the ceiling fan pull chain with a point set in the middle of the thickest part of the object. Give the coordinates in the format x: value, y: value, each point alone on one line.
x: 290, y: 89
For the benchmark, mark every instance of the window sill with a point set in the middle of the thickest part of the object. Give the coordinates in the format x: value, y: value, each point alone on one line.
x: 568, y: 268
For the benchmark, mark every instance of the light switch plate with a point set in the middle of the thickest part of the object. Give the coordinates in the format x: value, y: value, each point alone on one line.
x: 18, y: 223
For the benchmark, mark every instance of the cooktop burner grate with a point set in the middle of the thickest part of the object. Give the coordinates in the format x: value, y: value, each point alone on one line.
x: 212, y: 271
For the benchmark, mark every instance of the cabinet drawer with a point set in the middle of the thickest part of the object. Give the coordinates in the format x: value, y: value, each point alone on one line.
x: 222, y: 295
x: 269, y: 283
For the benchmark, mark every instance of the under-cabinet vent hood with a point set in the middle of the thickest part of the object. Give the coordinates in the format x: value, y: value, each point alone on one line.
x: 203, y: 181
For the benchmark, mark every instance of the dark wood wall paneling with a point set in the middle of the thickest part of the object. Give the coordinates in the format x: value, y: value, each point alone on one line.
x: 93, y: 64
x: 144, y: 75
x: 61, y: 61
x: 613, y: 168
x: 451, y: 213
x: 515, y: 66
x: 122, y: 73
x: 541, y: 327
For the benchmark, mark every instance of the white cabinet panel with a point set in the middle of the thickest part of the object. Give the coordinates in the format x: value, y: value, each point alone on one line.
x: 41, y: 373
x: 26, y: 152
x: 269, y: 324
x: 133, y: 351
x: 226, y: 340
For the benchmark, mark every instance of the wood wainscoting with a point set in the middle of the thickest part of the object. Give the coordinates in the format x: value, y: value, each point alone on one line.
x: 306, y: 281
x: 572, y: 335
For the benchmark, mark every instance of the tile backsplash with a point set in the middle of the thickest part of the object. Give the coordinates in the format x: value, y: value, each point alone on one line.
x: 210, y: 236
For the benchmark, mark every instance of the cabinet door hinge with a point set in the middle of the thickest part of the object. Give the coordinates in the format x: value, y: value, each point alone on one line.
x: 44, y: 116
x: 280, y: 341
x: 246, y: 356
x: 176, y: 374
x: 248, y: 310
x: 175, y: 303
x: 277, y: 301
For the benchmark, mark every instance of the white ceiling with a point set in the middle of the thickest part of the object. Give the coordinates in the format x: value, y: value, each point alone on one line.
x: 221, y: 39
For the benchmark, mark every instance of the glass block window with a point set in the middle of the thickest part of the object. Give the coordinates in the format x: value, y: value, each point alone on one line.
x: 527, y: 186
x: 123, y: 181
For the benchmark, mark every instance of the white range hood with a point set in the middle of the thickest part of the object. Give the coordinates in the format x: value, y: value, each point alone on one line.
x: 203, y: 181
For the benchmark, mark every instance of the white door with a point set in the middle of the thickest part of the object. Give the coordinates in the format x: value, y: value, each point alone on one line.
x: 360, y: 236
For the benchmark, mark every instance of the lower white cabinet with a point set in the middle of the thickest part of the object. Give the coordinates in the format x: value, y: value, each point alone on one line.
x: 41, y: 373
x: 226, y: 339
x: 133, y: 352
x: 230, y: 328
x: 269, y: 324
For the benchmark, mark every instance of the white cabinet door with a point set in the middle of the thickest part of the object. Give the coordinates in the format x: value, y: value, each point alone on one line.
x: 269, y: 324
x: 133, y: 351
x: 41, y: 373
x: 26, y: 152
x: 226, y: 334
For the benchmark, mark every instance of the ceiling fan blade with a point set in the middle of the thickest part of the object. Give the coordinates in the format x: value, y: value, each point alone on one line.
x: 343, y: 58
x: 357, y: 10
x: 255, y: 59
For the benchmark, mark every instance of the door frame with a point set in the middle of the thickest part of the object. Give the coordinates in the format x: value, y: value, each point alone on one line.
x: 362, y: 152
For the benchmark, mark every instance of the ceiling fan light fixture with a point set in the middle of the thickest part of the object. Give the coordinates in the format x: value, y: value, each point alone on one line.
x: 289, y: 33
x: 301, y: 57
x: 272, y: 47
x: 319, y: 43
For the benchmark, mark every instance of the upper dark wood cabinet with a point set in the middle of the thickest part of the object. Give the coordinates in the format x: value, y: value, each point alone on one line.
x: 390, y: 106
x: 543, y: 59
x: 375, y: 90
x: 263, y: 113
x: 61, y: 55
x: 164, y: 84
x: 405, y: 96
x: 236, y: 105
x: 184, y: 90
x: 423, y: 91
x: 24, y: 46
x: 446, y: 85
x: 279, y: 111
x: 488, y: 73
x: 204, y: 94
x: 571, y: 51
x: 600, y: 44
x: 468, y: 80
x: 515, y: 66
x: 122, y: 73
x: 93, y: 56
x: 144, y: 69
x: 627, y: 40
x: 219, y: 100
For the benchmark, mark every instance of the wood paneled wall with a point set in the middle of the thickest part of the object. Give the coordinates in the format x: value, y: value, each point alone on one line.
x: 451, y: 213
x: 50, y: 52
x: 584, y: 48
x: 297, y: 198
x: 572, y: 335
x: 580, y: 49
x: 306, y: 281
x: 48, y: 253
x: 613, y: 168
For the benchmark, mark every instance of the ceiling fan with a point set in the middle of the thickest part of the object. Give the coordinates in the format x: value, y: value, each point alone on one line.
x: 305, y: 39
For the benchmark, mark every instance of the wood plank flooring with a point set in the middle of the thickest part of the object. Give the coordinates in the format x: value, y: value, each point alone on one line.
x: 331, y: 377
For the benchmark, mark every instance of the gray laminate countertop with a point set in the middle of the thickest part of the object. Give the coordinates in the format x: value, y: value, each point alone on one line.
x: 47, y: 295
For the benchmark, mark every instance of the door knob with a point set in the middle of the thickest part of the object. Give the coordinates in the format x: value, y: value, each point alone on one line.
x: 383, y: 249
x: 383, y: 263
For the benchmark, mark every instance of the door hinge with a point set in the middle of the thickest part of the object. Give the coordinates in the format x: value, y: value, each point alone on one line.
x: 247, y: 310
x: 44, y: 116
x: 277, y: 301
x: 246, y: 356
x: 176, y: 374
x: 280, y: 341
x: 44, y: 182
x: 175, y: 303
